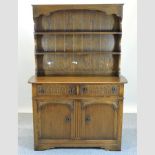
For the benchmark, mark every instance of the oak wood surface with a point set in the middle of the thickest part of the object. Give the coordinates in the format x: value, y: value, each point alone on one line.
x: 81, y: 117
x: 71, y: 33
x: 77, y: 92
x: 84, y: 28
x: 55, y: 119
x: 78, y: 79
x: 108, y: 8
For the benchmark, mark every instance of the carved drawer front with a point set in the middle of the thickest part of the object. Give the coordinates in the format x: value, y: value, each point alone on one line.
x: 99, y: 90
x: 56, y: 89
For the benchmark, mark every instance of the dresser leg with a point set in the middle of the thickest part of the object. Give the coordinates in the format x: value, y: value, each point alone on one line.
x: 112, y: 148
x: 42, y: 148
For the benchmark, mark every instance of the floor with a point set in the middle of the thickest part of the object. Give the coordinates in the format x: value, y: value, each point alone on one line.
x: 25, y: 140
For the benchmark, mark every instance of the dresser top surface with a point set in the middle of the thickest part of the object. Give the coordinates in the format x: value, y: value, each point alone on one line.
x: 44, y: 5
x: 78, y: 79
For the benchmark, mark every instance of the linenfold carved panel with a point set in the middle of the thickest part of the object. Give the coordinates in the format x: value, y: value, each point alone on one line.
x: 99, y: 90
x: 84, y: 90
x: 55, y: 101
x: 114, y: 104
x: 56, y: 90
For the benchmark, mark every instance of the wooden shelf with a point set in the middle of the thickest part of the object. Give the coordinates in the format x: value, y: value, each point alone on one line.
x: 78, y: 79
x: 76, y: 32
x: 78, y: 52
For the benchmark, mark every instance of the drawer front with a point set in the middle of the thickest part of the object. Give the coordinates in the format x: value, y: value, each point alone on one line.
x: 99, y: 90
x: 56, y: 89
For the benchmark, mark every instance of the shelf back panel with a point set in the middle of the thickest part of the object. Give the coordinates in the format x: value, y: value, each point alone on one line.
x: 77, y: 20
x: 77, y: 64
x: 97, y: 42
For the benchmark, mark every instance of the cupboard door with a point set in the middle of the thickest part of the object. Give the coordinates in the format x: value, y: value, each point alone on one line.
x: 99, y: 119
x: 55, y: 119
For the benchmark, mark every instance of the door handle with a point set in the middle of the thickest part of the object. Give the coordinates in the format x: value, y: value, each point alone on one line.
x: 67, y: 119
x: 72, y: 91
x: 87, y: 119
x: 84, y: 89
x: 114, y: 89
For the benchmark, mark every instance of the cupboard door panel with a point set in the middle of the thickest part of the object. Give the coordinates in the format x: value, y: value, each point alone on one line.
x: 55, y: 119
x: 99, y: 119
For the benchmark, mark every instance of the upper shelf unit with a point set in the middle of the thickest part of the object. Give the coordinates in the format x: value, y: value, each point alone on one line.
x: 79, y: 20
x: 77, y: 39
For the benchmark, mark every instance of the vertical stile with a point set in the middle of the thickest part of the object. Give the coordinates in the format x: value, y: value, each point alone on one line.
x: 91, y: 35
x: 74, y: 61
x: 82, y: 20
x: 91, y: 29
x: 64, y: 37
x: 82, y: 27
x: 73, y: 44
x: 55, y: 40
x: 100, y: 45
x: 115, y: 122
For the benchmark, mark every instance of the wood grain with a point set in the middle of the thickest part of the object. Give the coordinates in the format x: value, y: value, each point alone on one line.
x: 77, y: 92
x: 73, y: 29
x: 78, y: 79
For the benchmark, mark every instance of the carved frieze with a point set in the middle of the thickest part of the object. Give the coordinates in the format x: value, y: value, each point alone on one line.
x: 114, y: 104
x: 41, y: 104
x: 56, y: 90
x: 99, y: 90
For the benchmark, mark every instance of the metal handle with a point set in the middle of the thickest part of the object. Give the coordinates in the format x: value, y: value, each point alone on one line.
x: 84, y: 89
x: 72, y: 90
x: 41, y: 90
x: 87, y: 119
x: 113, y: 89
x: 67, y: 119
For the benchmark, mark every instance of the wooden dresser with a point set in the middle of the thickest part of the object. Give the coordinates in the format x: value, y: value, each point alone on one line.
x: 77, y: 91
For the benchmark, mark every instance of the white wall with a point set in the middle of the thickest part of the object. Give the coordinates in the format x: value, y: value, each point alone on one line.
x: 26, y: 63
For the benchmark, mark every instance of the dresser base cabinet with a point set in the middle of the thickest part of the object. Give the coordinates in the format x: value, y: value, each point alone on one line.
x: 77, y: 113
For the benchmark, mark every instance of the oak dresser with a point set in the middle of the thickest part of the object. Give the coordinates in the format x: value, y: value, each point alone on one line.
x: 77, y: 89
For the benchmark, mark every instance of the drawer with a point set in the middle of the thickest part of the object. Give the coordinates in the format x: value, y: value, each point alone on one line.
x: 56, y: 89
x: 99, y: 90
